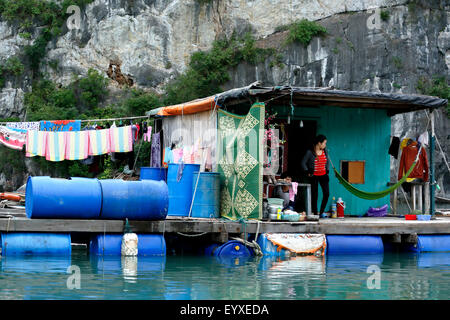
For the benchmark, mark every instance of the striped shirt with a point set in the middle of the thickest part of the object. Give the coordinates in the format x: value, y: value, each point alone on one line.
x: 319, y: 165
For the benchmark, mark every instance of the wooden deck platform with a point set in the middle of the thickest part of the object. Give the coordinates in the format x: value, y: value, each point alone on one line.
x: 17, y: 222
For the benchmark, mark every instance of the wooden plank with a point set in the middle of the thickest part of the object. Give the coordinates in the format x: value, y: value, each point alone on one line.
x: 327, y: 226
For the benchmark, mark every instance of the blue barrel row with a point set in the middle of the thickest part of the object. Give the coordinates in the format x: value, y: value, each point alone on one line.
x: 17, y: 243
x: 183, y: 188
x: 84, y: 198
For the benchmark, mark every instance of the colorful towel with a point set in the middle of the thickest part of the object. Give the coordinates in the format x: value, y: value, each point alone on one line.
x: 77, y: 145
x: 167, y: 157
x: 99, y: 142
x: 13, y: 138
x: 36, y: 143
x: 56, y: 146
x: 121, y: 139
x: 24, y: 125
x: 60, y: 125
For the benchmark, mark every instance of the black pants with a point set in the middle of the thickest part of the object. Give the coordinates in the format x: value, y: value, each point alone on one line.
x: 324, y: 184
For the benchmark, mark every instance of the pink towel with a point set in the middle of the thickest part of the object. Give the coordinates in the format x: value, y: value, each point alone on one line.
x: 293, y: 191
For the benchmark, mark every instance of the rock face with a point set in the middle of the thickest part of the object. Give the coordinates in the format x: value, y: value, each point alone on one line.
x: 148, y: 42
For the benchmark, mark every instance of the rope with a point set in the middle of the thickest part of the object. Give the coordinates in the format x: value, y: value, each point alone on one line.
x: 192, y: 235
x: 254, y: 245
x: 439, y: 145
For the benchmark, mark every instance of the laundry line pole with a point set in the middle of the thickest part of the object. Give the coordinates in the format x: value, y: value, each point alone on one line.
x: 432, y: 179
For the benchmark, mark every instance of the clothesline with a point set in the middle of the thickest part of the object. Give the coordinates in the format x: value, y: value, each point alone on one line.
x: 95, y: 120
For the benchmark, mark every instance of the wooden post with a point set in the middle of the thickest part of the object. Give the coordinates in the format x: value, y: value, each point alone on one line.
x: 395, y: 201
x: 426, y: 196
x: 419, y: 200
x: 432, y: 183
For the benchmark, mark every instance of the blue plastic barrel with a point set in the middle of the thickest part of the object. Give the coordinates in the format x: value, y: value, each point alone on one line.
x: 151, y: 173
x: 36, y: 244
x: 135, y: 200
x: 111, y: 244
x: 431, y: 243
x: 209, y: 250
x: 354, y: 244
x: 233, y: 248
x: 74, y: 198
x: 179, y: 181
x: 269, y: 249
x: 207, y: 196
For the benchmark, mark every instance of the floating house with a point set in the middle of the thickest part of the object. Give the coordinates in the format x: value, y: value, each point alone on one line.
x: 230, y: 127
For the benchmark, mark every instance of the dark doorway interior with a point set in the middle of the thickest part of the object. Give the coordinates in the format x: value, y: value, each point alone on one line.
x: 300, y: 139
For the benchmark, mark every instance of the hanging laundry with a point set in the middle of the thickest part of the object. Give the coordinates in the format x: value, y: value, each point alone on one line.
x: 394, y: 147
x: 90, y: 159
x: 155, y: 161
x: 24, y: 125
x: 208, y: 163
x: 405, y: 143
x: 423, y: 139
x: 148, y: 134
x: 36, y: 143
x: 99, y: 142
x: 13, y: 138
x: 167, y: 157
x: 408, y: 156
x: 121, y: 139
x: 177, y: 155
x: 187, y: 154
x: 56, y: 146
x: 293, y: 191
x: 77, y: 145
x: 60, y: 125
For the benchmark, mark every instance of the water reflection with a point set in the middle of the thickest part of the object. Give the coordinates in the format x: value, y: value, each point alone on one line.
x: 403, y: 276
x: 35, y: 264
x: 352, y: 263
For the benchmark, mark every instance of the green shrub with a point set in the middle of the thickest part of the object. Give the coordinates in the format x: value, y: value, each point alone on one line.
x: 14, y: 66
x: 437, y: 86
x: 303, y: 31
x: 384, y: 15
x: 141, y: 102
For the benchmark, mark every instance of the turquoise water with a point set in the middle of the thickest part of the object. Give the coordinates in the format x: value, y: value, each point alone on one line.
x: 402, y: 276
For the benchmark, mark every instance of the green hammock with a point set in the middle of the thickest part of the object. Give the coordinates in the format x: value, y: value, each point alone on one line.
x: 372, y: 195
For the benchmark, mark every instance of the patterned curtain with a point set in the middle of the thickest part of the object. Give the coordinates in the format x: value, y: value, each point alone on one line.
x: 240, y: 163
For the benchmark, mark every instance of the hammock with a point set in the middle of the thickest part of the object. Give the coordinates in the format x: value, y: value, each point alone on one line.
x: 374, y: 195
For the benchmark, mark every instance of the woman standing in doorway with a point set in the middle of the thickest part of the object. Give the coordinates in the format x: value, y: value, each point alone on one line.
x: 315, y: 164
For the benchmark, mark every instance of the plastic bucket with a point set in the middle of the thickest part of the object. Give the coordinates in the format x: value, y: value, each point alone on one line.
x: 179, y: 182
x: 150, y: 173
x: 207, y: 196
x: 74, y: 198
x: 135, y: 200
x: 110, y: 244
x: 410, y: 217
x: 16, y: 243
